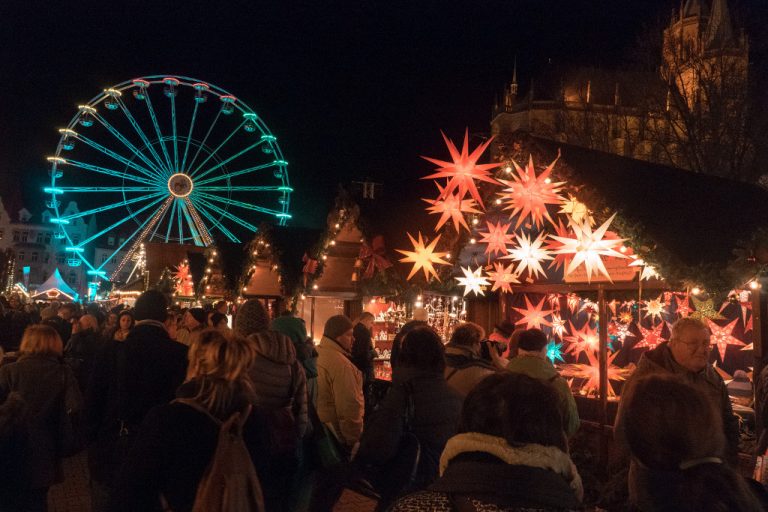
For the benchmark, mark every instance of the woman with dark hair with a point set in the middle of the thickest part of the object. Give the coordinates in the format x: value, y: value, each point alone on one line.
x: 677, y: 436
x: 125, y: 324
x: 511, y: 453
x: 398, y: 341
x: 420, y: 403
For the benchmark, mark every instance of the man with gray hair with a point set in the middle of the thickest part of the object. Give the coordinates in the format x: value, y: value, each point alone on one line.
x: 686, y: 356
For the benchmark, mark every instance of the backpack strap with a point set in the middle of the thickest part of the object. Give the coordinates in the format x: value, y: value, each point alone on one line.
x: 453, y: 372
x: 194, y: 404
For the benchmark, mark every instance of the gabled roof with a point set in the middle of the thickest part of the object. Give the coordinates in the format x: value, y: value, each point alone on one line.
x: 55, y: 282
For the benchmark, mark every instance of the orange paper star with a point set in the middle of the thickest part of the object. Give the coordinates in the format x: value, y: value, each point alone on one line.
x: 423, y: 257
x: 533, y: 316
x: 503, y: 277
x: 582, y: 340
x: 451, y: 207
x: 464, y: 169
x: 529, y: 194
x: 496, y: 237
x: 723, y: 336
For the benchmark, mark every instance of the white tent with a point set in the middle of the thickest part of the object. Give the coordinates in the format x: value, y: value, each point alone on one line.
x: 55, y: 288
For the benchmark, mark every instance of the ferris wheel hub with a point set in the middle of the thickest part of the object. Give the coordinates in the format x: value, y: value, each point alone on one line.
x: 180, y: 185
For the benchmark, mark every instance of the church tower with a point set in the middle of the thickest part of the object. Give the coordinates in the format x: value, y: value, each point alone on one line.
x: 510, y: 93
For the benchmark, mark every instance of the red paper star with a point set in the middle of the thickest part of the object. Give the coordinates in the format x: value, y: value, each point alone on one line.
x: 591, y: 372
x: 503, y: 277
x: 529, y: 194
x: 723, y: 336
x: 683, y: 306
x: 555, y: 245
x: 651, y: 337
x: 582, y: 340
x: 451, y: 207
x: 497, y: 238
x: 464, y: 169
x: 533, y: 317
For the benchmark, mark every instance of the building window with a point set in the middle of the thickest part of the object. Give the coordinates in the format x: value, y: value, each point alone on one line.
x: 104, y: 257
x: 34, y: 257
x: 60, y: 258
x: 2, y: 232
x: 75, y: 239
x: 15, y: 236
x: 21, y: 255
x: 111, y: 241
x: 40, y: 237
x: 24, y: 236
x: 122, y: 240
x: 47, y: 238
x: 46, y: 257
x: 72, y: 278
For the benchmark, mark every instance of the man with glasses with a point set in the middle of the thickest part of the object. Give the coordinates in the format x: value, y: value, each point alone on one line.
x: 685, y: 355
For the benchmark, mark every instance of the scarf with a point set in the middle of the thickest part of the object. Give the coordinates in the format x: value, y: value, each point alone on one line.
x: 531, y: 455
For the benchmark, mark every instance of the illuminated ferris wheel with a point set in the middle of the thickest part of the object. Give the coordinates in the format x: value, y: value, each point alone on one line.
x: 164, y: 159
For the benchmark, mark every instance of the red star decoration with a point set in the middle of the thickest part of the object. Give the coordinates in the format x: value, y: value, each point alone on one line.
x: 451, y: 207
x: 651, y: 337
x: 464, y: 169
x: 533, y: 317
x: 553, y: 245
x: 529, y: 194
x: 723, y: 336
x: 497, y: 238
x: 503, y: 277
x: 683, y: 306
x: 582, y: 340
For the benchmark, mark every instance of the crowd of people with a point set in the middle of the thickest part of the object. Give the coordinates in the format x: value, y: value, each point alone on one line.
x: 169, y: 404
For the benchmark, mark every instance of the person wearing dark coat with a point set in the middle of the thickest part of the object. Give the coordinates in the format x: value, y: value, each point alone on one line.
x: 176, y: 442
x: 510, y: 454
x: 398, y: 341
x: 80, y: 352
x: 362, y: 348
x: 17, y: 321
x: 31, y: 463
x: 418, y: 383
x: 129, y: 378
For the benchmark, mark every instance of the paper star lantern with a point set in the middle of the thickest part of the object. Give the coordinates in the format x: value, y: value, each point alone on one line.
x: 651, y: 337
x: 529, y: 255
x: 554, y: 300
x: 705, y: 309
x: 451, y: 207
x: 558, y: 325
x: 473, y: 281
x: 554, y: 351
x: 503, y: 277
x: 626, y: 317
x: 582, y: 340
x: 749, y: 326
x: 573, y: 301
x: 647, y: 272
x: 723, y: 336
x: 184, y: 285
x: 654, y: 308
x: 464, y: 169
x: 533, y: 316
x: 576, y: 211
x: 423, y: 257
x: 683, y: 306
x: 554, y: 245
x: 751, y: 346
x: 588, y: 248
x: 621, y: 331
x: 529, y: 195
x: 496, y: 237
x: 591, y: 373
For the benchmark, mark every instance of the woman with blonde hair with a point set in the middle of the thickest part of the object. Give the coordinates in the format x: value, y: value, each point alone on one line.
x: 35, y: 385
x: 176, y: 441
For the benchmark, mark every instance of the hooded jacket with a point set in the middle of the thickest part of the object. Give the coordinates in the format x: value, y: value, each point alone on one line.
x: 541, y: 369
x: 295, y: 329
x: 486, y: 473
x: 339, y: 391
x: 464, y: 370
x: 708, y: 382
x: 278, y: 378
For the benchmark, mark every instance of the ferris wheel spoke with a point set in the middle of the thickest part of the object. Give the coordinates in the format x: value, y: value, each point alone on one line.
x: 255, y: 188
x: 111, y: 206
x: 225, y: 162
x: 181, y: 224
x: 128, y: 163
x: 241, y: 204
x: 236, y: 173
x: 205, y: 139
x: 128, y: 144
x: 160, y: 220
x: 119, y: 223
x: 226, y: 214
x: 172, y: 209
x: 148, y: 101
x: 215, y: 223
x: 201, y: 229
x: 142, y: 231
x: 190, y: 224
x: 109, y: 172
x: 175, y: 139
x: 215, y: 151
x: 143, y: 137
x: 62, y: 190
x: 189, y: 137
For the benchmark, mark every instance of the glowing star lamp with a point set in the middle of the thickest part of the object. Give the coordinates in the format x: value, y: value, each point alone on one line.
x: 558, y: 325
x: 588, y: 247
x: 529, y: 195
x: 576, y: 211
x: 423, y: 257
x: 464, y: 169
x: 554, y: 351
x: 582, y: 340
x: 473, y: 281
x: 533, y: 316
x: 496, y: 237
x: 529, y: 254
x: 654, y: 308
x: 651, y: 337
x: 503, y: 277
x: 723, y: 336
x: 451, y: 207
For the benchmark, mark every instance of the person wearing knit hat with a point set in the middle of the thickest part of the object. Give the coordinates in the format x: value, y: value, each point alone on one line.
x: 252, y: 317
x: 340, y: 402
x: 194, y: 320
x: 740, y: 388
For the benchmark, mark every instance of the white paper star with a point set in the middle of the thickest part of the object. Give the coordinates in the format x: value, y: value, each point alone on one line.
x: 473, y: 281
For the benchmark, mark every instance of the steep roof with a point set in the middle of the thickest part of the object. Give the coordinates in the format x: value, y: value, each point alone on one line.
x: 55, y: 282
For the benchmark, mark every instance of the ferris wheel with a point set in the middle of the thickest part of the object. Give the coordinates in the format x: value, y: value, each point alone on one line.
x: 165, y: 159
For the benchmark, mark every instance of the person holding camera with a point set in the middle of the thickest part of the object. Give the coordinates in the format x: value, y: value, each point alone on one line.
x: 465, y: 364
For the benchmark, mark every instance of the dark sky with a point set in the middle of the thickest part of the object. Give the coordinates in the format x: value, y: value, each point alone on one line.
x: 351, y: 89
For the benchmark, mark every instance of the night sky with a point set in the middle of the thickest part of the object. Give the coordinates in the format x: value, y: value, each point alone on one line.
x: 351, y: 89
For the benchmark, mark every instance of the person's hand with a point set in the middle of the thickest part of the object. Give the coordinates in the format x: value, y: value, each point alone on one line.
x: 499, y: 362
